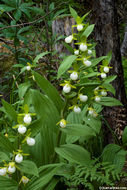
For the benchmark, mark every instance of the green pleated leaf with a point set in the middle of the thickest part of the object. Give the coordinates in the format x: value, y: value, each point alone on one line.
x: 88, y: 30
x: 74, y: 153
x: 5, y: 144
x: 3, y: 156
x: 40, y: 56
x: 28, y: 167
x: 97, y: 60
x: 73, y: 13
x: 65, y: 65
x: 109, y: 87
x: 79, y: 130
x: 49, y: 90
x: 8, y: 184
x: 110, y: 79
x: 124, y: 136
x: 23, y: 89
x: 94, y: 123
x: 9, y: 110
x: 109, y: 101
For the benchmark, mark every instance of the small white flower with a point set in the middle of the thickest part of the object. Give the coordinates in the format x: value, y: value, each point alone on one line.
x: 83, y: 98
x: 25, y: 180
x: 27, y: 119
x: 97, y: 99
x: 91, y: 112
x: 103, y: 75
x: 106, y: 69
x: 11, y: 168
x: 74, y: 76
x: 76, y: 52
x: 30, y: 141
x: 63, y: 123
x: 3, y: 171
x: 22, y: 129
x: 89, y: 51
x: 103, y: 93
x: 28, y: 68
x: 83, y: 47
x: 76, y: 109
x: 18, y: 158
x: 87, y: 63
x: 79, y: 27
x: 67, y: 88
x: 69, y: 39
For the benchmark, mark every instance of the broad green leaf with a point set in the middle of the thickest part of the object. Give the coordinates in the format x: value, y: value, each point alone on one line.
x: 94, y: 123
x: 6, y: 8
x: 73, y: 13
x: 109, y: 87
x: 49, y: 90
x: 124, y: 136
x: 17, y: 14
x: 110, y: 79
x: 4, y: 156
x: 51, y: 185
x: 74, y: 153
x: 23, y: 89
x: 9, y: 110
x: 8, y: 184
x: 88, y: 30
x: 65, y: 65
x: 97, y: 60
x: 23, y: 30
x: 115, y: 155
x: 109, y: 101
x: 5, y: 144
x: 79, y: 130
x: 28, y: 167
x: 40, y: 56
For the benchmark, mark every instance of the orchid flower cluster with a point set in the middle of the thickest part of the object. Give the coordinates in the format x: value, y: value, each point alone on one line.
x: 24, y: 120
x: 81, y: 67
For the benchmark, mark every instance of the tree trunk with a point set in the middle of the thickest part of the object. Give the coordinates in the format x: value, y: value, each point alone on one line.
x: 107, y: 38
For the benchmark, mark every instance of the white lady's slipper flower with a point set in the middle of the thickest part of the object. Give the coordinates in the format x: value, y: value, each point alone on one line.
x: 22, y: 129
x: 74, y: 76
x: 97, y: 99
x: 94, y: 114
x: 76, y: 52
x: 89, y: 52
x: 87, y: 63
x: 3, y: 171
x: 103, y: 93
x: 77, y: 109
x: 24, y: 179
x: 69, y: 39
x: 18, y: 158
x: 11, y: 168
x: 63, y: 123
x: 30, y: 141
x: 91, y: 111
x: 79, y: 27
x: 83, y: 98
x: 83, y: 47
x: 28, y: 68
x: 27, y: 119
x: 106, y: 69
x: 66, y: 88
x: 103, y: 75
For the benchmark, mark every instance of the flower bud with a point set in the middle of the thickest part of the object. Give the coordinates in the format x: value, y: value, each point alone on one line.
x: 83, y: 98
x: 18, y: 158
x: 30, y: 141
x: 103, y: 75
x: 106, y: 69
x: 22, y: 129
x: 74, y: 76
x: 97, y: 99
x: 83, y: 47
x: 25, y: 180
x: 89, y: 51
x: 79, y: 27
x: 76, y: 52
x: 87, y: 63
x: 63, y: 123
x: 76, y: 109
x: 103, y: 93
x: 69, y: 39
x: 28, y: 68
x: 3, y: 171
x: 27, y: 119
x: 66, y: 88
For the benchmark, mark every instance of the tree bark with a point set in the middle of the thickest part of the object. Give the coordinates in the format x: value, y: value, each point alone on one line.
x: 107, y: 38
